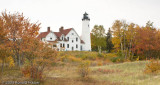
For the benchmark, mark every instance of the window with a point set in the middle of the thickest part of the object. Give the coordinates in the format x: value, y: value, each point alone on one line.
x: 67, y: 45
x: 50, y: 38
x: 72, y: 33
x: 54, y: 45
x: 76, y: 39
x: 72, y: 41
x: 68, y: 38
x: 62, y: 38
x: 63, y: 45
x: 81, y: 47
x: 88, y: 25
x: 76, y: 46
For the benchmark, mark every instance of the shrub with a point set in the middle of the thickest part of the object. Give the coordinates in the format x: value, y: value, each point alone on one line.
x: 32, y: 72
x: 100, y: 63
x: 117, y: 59
x: 152, y: 67
x: 84, y: 69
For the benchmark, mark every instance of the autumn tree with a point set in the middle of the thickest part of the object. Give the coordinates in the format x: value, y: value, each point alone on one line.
x: 18, y: 27
x: 147, y: 41
x: 117, y: 36
x: 4, y: 50
x: 130, y: 36
x: 98, y: 37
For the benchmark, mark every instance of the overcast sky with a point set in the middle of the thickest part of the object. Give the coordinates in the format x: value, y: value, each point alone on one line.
x: 68, y: 13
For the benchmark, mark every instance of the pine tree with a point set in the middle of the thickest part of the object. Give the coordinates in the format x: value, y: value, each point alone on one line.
x: 109, y: 44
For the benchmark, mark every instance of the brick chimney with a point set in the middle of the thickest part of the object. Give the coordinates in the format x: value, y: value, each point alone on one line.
x: 61, y: 29
x: 48, y: 29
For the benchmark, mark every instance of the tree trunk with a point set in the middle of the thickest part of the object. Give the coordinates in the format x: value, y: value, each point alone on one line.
x: 2, y: 68
x: 99, y: 49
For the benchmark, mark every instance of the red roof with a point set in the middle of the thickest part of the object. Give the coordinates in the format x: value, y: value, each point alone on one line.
x: 42, y: 35
x: 82, y: 41
x: 58, y: 34
x: 66, y: 31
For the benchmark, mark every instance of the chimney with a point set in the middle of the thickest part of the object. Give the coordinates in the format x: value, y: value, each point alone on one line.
x: 61, y: 29
x: 48, y: 29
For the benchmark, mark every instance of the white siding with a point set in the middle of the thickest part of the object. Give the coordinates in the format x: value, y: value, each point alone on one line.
x: 86, y: 35
x: 51, y: 37
x: 72, y: 36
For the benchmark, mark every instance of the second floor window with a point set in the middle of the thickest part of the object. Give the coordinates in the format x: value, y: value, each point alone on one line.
x: 72, y: 41
x: 76, y: 39
x: 62, y: 38
x: 50, y: 38
x: 68, y: 38
x: 63, y: 45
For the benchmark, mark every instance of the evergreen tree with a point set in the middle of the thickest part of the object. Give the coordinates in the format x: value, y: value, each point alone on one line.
x: 109, y: 44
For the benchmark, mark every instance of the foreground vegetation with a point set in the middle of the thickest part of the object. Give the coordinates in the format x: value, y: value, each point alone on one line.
x: 128, y: 73
x: 101, y: 71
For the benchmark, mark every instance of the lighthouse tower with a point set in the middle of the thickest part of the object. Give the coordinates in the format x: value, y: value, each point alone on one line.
x: 86, y: 32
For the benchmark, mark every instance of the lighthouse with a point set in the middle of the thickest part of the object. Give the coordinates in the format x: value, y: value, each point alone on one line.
x: 86, y: 32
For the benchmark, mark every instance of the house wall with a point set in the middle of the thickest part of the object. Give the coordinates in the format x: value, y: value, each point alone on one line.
x: 51, y: 35
x: 72, y: 36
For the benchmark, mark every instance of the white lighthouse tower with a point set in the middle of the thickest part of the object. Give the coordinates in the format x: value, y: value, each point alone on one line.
x: 86, y: 32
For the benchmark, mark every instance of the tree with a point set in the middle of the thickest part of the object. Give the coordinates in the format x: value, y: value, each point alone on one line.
x: 109, y: 44
x: 98, y: 37
x: 18, y: 28
x: 4, y: 51
x: 147, y: 41
x: 118, y: 36
x: 130, y: 35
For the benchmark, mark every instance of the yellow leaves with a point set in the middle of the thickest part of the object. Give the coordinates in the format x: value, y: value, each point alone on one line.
x: 137, y: 58
x: 11, y: 61
x: 152, y: 67
x: 84, y: 69
x: 0, y: 61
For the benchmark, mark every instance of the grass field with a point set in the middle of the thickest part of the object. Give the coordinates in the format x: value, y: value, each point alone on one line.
x: 65, y: 72
x: 128, y: 73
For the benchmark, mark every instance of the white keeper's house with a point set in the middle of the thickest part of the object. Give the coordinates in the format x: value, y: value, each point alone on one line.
x: 68, y: 39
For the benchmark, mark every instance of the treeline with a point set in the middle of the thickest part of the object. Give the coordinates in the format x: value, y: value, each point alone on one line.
x: 128, y: 40
x: 18, y: 42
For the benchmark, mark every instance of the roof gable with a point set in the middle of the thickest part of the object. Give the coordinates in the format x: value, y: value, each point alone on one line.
x: 43, y: 35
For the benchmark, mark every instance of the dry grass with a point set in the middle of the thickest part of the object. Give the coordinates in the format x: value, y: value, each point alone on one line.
x: 66, y: 73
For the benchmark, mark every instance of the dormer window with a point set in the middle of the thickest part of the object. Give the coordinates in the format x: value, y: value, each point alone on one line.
x: 50, y: 38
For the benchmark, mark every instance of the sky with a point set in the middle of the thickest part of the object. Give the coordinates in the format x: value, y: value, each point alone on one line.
x: 69, y: 13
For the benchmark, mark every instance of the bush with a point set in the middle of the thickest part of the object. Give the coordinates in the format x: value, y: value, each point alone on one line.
x: 117, y: 59
x: 84, y: 69
x: 32, y: 72
x: 152, y: 67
